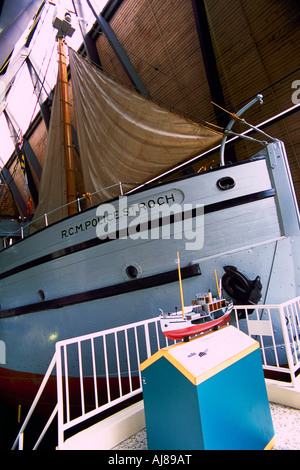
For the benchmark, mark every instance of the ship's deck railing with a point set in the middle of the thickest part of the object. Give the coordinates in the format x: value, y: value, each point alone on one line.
x: 92, y: 392
x: 277, y: 329
x: 106, y: 363
x: 21, y: 232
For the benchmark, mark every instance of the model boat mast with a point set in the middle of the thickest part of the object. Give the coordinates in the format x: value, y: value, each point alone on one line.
x: 180, y: 284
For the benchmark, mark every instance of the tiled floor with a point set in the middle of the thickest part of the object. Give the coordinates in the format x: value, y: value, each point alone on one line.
x: 286, y: 422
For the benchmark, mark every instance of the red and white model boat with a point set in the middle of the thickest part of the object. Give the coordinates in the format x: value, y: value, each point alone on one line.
x: 204, y: 314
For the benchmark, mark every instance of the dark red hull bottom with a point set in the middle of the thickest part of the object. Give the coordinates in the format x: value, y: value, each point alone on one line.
x: 20, y: 388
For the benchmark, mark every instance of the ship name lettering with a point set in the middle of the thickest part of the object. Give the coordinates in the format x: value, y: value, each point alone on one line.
x: 115, y: 214
x: 73, y: 230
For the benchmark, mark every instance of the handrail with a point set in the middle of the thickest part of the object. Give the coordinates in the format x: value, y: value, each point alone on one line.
x: 59, y: 360
x: 288, y: 314
x: 35, y: 401
x: 78, y: 200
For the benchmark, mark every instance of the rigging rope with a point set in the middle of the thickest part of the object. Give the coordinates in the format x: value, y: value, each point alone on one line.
x: 42, y: 85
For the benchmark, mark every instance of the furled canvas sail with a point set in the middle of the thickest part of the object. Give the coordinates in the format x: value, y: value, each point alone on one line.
x: 53, y: 182
x: 125, y: 137
x: 122, y: 136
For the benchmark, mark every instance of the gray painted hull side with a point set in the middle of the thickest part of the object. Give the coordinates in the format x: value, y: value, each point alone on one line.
x: 249, y: 236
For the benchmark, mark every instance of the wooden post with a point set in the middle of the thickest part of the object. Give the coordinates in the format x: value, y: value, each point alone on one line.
x: 68, y: 147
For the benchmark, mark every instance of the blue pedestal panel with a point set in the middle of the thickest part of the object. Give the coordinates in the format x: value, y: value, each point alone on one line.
x: 207, y: 394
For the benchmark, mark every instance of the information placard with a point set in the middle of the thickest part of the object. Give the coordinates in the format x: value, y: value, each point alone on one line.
x: 207, y: 352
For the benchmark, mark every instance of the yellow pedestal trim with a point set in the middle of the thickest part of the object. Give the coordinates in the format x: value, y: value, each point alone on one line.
x: 271, y: 444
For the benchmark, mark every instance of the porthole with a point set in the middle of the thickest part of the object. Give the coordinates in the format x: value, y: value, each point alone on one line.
x: 42, y: 294
x: 131, y: 271
x: 226, y: 183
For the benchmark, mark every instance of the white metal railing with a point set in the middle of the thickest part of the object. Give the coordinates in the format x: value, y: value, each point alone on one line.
x: 95, y: 372
x: 20, y: 437
x: 44, y: 217
x: 277, y: 329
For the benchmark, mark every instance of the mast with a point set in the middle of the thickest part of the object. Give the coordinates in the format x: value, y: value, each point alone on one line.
x: 68, y: 147
x: 62, y: 22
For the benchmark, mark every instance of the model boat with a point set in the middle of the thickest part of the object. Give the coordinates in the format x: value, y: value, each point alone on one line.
x: 204, y: 314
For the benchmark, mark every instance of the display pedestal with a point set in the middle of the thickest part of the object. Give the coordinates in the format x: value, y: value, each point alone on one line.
x: 207, y: 394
